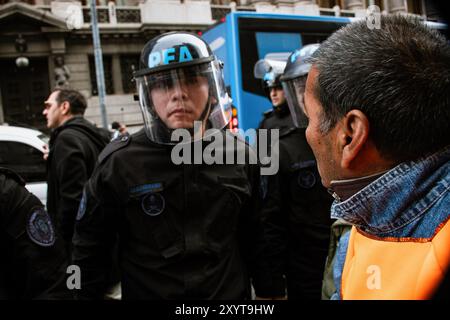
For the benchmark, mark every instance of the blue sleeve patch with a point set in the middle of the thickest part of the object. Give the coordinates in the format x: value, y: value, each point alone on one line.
x: 264, y: 186
x: 146, y: 188
x: 40, y: 229
x: 82, y: 207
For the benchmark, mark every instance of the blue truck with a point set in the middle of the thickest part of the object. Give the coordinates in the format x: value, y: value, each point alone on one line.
x: 243, y: 38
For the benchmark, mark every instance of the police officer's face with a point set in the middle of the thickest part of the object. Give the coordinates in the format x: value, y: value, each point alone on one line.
x: 322, y: 144
x: 182, y: 101
x: 277, y: 96
x: 52, y: 111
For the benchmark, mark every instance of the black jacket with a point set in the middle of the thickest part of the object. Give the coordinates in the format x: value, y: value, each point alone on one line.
x: 33, y: 260
x: 296, y: 215
x: 279, y: 118
x: 74, y: 148
x: 185, y: 231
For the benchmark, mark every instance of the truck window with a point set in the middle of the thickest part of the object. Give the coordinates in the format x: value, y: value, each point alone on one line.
x: 257, y: 37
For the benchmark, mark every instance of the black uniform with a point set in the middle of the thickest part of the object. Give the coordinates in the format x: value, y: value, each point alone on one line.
x: 296, y: 213
x: 277, y: 118
x: 33, y: 263
x: 74, y: 148
x: 184, y: 231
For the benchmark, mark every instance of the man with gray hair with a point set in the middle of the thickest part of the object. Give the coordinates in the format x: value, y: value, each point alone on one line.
x: 381, y: 136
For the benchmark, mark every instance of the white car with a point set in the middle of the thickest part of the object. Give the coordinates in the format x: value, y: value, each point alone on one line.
x: 22, y: 150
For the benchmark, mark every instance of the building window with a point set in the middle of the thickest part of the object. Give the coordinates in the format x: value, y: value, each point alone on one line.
x: 107, y: 69
x: 128, y: 64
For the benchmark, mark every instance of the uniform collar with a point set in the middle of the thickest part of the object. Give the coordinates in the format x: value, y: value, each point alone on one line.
x: 341, y: 190
x: 281, y: 110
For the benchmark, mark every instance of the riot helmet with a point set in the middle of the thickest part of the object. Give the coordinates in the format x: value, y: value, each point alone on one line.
x: 294, y: 82
x: 180, y: 81
x: 269, y: 70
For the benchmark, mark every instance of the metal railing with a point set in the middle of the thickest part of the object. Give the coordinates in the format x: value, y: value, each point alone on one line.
x: 132, y: 14
x: 124, y: 14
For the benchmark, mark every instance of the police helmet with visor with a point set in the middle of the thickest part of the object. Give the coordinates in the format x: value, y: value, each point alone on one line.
x: 269, y: 70
x: 180, y: 81
x: 294, y: 82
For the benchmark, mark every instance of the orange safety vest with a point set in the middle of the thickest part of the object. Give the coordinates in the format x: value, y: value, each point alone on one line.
x: 395, y: 268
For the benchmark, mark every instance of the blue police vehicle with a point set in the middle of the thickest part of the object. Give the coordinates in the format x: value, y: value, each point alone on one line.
x: 243, y: 38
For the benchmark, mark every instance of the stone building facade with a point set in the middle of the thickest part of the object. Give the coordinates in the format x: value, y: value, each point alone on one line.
x: 36, y: 33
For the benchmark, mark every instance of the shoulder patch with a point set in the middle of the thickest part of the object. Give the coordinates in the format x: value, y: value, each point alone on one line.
x: 113, y: 146
x: 268, y: 113
x: 153, y: 204
x: 306, y: 179
x: 11, y: 174
x: 40, y: 229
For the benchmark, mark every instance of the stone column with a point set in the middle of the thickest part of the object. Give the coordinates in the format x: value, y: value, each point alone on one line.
x: 57, y: 47
x: 397, y: 6
x: 353, y: 5
x: 357, y: 6
x: 262, y: 5
x: 117, y: 74
x: 306, y: 7
x: 285, y: 6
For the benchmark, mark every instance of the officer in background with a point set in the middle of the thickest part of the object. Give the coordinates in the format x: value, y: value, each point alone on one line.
x: 33, y: 263
x: 296, y: 207
x: 269, y: 70
x: 183, y: 230
x: 119, y: 130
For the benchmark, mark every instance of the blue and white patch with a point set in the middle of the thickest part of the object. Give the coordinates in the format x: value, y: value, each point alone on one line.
x: 153, y: 204
x: 303, y: 164
x: 306, y: 179
x: 264, y: 186
x: 295, y: 55
x: 269, y: 76
x: 82, y: 207
x: 146, y: 188
x: 40, y: 229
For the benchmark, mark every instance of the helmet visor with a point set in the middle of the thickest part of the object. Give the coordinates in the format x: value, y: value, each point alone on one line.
x: 294, y: 91
x: 176, y: 98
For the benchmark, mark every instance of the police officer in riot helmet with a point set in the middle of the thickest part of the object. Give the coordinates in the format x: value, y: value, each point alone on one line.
x: 294, y: 80
x: 183, y: 230
x: 269, y: 70
x: 33, y: 264
x: 296, y: 207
